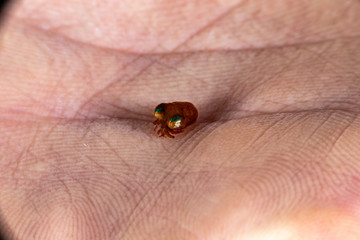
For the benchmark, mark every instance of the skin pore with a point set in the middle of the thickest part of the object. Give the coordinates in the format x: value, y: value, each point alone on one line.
x: 274, y: 153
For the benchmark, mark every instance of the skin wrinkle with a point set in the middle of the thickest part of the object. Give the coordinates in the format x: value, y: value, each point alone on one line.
x: 67, y: 190
x: 298, y: 44
x: 78, y: 56
x: 87, y: 195
x: 130, y: 111
x: 164, y: 64
x: 22, y: 152
x: 169, y: 173
x: 172, y: 173
x: 256, y: 138
x: 130, y: 170
x: 97, y: 93
x: 113, y: 150
x: 318, y: 128
x: 183, y: 226
x: 93, y: 206
x: 133, y: 215
x: 57, y: 83
x: 313, y: 8
x: 273, y: 77
x: 285, y: 109
x: 305, y: 166
x: 139, y: 73
x: 122, y: 183
x: 134, y: 191
x: 130, y: 80
x: 218, y: 170
x: 221, y: 165
x: 68, y: 174
x: 340, y: 135
x: 17, y: 162
x: 208, y: 25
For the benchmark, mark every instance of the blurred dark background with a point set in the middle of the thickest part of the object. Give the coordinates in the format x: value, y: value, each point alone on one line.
x: 4, y: 6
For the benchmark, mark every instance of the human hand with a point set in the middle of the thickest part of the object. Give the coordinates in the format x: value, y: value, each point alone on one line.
x: 273, y: 155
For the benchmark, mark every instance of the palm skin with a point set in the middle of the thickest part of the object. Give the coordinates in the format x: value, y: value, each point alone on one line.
x: 274, y: 153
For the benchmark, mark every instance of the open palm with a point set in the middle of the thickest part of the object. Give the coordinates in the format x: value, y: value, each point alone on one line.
x: 275, y: 151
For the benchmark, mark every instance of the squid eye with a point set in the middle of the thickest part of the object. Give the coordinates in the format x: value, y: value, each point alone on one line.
x: 175, y: 122
x: 159, y: 111
x: 160, y: 108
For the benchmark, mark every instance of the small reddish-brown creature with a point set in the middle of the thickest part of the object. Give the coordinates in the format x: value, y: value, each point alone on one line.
x: 174, y: 117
